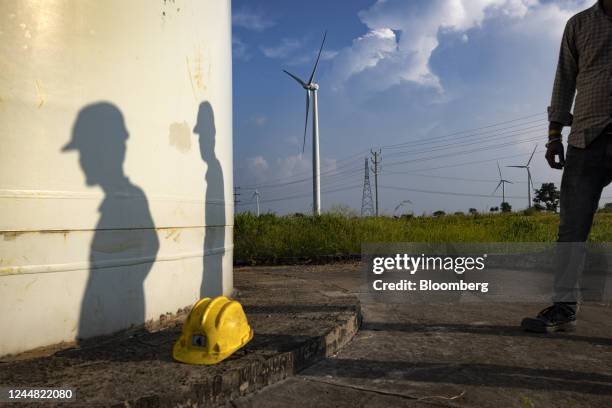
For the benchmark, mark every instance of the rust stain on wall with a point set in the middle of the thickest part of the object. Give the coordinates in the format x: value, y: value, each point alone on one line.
x: 179, y: 136
x: 11, y: 235
x: 191, y: 79
x: 41, y: 94
x: 173, y: 234
x: 199, y: 70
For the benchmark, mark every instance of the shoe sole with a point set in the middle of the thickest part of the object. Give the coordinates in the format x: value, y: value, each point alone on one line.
x: 536, y: 326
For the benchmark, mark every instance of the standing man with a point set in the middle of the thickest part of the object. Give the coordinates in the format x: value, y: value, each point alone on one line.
x: 585, y: 67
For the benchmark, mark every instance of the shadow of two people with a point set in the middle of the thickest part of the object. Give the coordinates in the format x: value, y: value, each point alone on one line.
x: 125, y: 242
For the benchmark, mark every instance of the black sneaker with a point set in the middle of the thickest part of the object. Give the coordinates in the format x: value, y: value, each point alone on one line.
x: 558, y: 317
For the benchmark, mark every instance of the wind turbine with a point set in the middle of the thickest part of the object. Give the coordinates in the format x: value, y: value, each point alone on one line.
x: 401, y: 204
x: 529, y: 181
x: 311, y: 89
x: 502, y: 183
x: 256, y: 196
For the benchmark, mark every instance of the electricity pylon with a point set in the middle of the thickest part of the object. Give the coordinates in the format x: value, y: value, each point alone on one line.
x: 367, y: 204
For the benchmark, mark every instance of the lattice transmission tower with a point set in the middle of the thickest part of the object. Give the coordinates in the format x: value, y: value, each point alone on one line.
x: 367, y: 203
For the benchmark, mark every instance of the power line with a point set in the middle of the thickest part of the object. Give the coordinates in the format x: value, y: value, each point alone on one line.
x: 467, y: 163
x: 502, y: 135
x: 492, y: 147
x: 416, y: 190
x: 452, y: 193
x: 236, y: 195
x: 337, y: 177
x: 430, y: 140
x: 347, y: 169
x: 473, y: 129
x: 331, y: 172
x: 476, y: 180
x: 308, y: 195
x: 332, y: 168
x: 351, y: 168
x: 443, y: 139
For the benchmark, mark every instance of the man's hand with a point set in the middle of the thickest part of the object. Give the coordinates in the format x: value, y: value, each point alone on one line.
x: 554, y: 149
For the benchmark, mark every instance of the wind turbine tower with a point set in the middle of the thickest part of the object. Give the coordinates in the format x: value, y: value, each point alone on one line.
x: 529, y: 180
x: 502, y: 183
x: 311, y: 91
x: 256, y: 197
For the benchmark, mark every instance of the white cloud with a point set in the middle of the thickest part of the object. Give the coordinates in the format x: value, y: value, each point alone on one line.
x: 365, y: 52
x: 257, y: 168
x: 403, y: 35
x: 251, y: 19
x: 300, y: 60
x: 329, y: 166
x: 548, y: 20
x: 259, y: 120
x: 283, y: 50
x: 240, y: 49
x: 258, y: 162
x: 327, y: 55
x: 310, y: 58
x: 292, y: 165
x: 293, y: 141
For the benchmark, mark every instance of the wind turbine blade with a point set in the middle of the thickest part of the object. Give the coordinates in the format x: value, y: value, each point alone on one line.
x: 518, y: 167
x: 314, y: 70
x: 508, y: 181
x: 295, y: 77
x: 306, y: 122
x: 531, y: 157
x: 532, y: 153
x: 499, y: 169
x: 529, y: 180
x: 497, y: 188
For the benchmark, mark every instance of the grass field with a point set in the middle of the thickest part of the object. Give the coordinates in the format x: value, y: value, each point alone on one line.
x: 269, y: 238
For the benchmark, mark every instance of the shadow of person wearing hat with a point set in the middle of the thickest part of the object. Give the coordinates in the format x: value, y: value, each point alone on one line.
x: 214, y: 207
x: 125, y: 243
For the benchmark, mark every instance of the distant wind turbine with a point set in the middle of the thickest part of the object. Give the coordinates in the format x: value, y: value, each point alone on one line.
x: 401, y: 204
x: 311, y: 88
x: 256, y: 197
x: 502, y: 183
x: 529, y: 180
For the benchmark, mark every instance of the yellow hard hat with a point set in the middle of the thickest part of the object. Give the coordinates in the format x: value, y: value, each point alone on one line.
x: 213, y: 331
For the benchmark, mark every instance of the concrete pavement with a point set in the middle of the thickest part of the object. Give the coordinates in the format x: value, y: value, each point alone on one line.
x: 466, y: 355
x: 457, y: 355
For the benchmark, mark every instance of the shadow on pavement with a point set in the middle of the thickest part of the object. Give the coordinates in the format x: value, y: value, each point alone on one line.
x: 299, y: 309
x: 492, y: 330
x: 490, y: 375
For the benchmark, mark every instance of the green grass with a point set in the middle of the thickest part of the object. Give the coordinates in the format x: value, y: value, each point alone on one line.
x: 270, y: 237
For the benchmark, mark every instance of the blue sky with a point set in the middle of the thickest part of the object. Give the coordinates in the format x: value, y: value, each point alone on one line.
x: 395, y: 72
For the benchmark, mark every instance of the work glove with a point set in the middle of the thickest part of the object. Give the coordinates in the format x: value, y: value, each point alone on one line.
x: 555, y: 148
